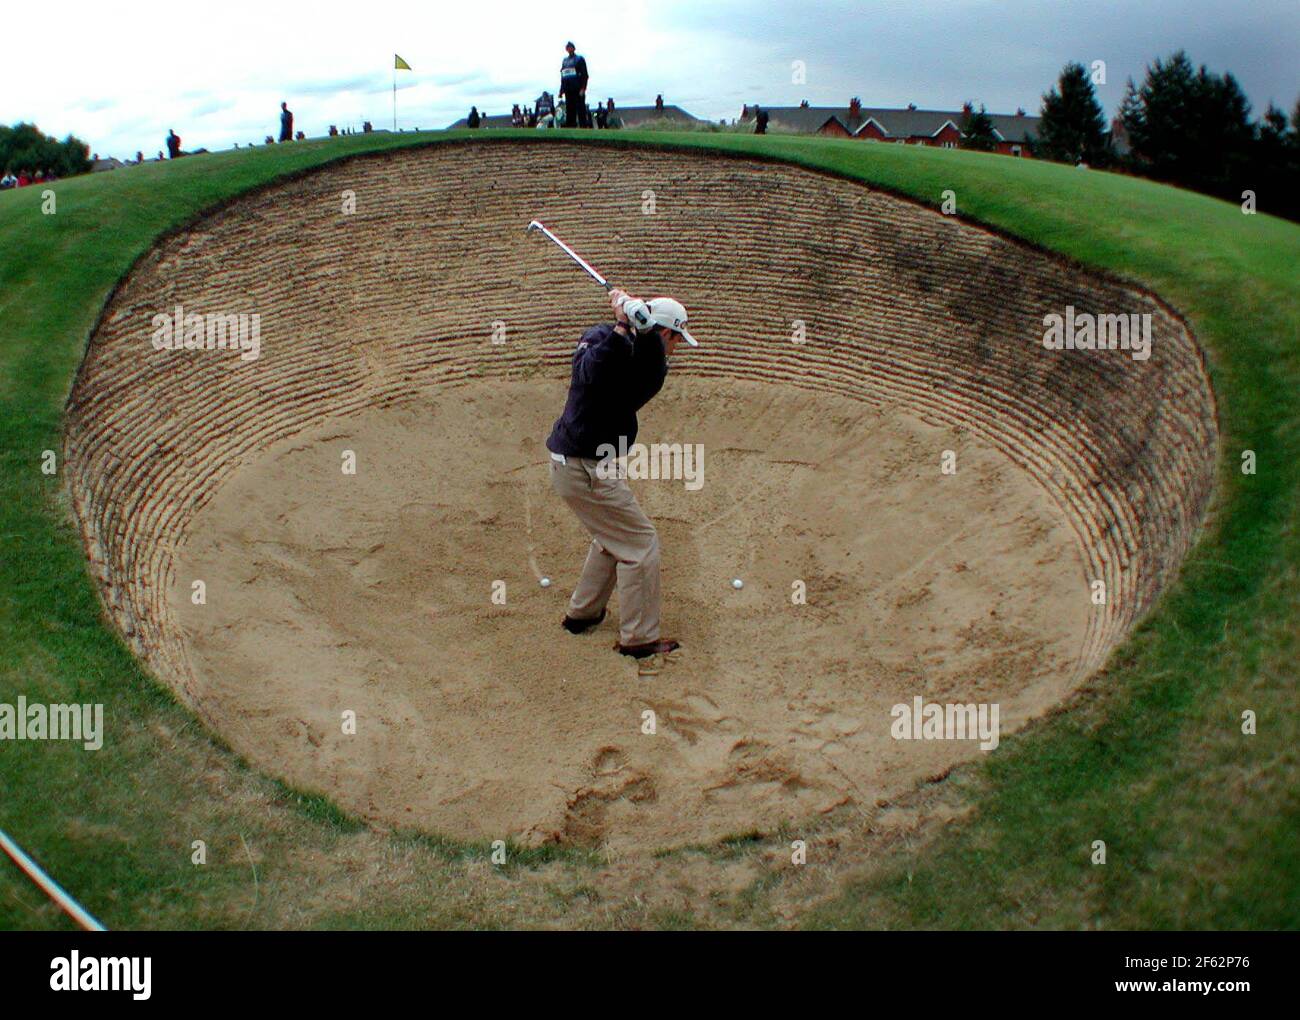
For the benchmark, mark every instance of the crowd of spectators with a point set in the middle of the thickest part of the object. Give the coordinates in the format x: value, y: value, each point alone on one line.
x: 547, y: 112
x: 23, y: 178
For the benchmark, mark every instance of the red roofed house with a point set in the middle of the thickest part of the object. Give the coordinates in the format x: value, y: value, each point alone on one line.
x: 910, y: 126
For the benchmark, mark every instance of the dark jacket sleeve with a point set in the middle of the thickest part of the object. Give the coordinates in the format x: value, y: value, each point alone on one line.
x: 582, y: 73
x: 606, y: 357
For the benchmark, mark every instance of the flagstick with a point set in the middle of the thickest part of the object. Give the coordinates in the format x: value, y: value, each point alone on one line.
x: 394, y: 94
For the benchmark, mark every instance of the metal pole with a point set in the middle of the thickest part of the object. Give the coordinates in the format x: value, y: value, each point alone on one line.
x: 47, y: 885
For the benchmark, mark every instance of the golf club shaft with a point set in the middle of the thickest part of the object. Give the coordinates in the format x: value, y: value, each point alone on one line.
x: 583, y: 263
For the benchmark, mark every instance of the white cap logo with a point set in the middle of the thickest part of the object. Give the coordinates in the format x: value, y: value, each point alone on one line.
x: 664, y: 311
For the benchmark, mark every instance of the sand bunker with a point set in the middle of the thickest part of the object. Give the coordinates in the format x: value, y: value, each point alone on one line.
x: 371, y: 593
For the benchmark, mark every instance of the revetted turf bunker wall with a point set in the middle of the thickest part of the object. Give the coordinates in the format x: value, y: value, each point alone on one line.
x: 399, y: 299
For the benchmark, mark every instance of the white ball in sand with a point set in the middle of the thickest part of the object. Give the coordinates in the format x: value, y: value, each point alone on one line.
x: 738, y: 584
x: 546, y: 582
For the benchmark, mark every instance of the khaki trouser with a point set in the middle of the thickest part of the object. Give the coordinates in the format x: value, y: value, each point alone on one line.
x: 624, y: 549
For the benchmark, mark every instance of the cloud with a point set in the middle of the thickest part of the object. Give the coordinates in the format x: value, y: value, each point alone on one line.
x: 706, y: 57
x: 458, y: 80
x: 333, y: 86
x: 207, y: 109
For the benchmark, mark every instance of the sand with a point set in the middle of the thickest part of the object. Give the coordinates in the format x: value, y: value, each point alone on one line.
x: 371, y: 593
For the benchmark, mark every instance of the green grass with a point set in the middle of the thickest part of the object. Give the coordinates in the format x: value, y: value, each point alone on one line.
x: 1202, y: 823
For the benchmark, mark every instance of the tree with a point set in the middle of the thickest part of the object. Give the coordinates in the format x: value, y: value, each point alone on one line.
x: 1274, y: 134
x: 1131, y: 114
x: 1157, y: 120
x: 24, y: 148
x: 1073, y: 125
x: 1225, y: 123
x: 977, y: 129
x: 1189, y: 127
x: 1193, y: 127
x: 1274, y: 172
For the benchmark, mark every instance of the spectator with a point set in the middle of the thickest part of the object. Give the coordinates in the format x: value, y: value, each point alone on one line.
x: 760, y: 120
x: 139, y: 156
x: 659, y: 103
x: 8, y: 181
x: 173, y: 145
x: 516, y: 116
x: 473, y: 120
x: 601, y: 116
x: 23, y: 179
x: 573, y: 88
x: 545, y: 116
x: 286, y: 123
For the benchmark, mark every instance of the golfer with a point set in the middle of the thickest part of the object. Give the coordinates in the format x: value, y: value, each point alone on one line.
x: 617, y: 368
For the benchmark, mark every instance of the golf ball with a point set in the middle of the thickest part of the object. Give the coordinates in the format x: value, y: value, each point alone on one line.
x: 738, y: 584
x: 546, y: 582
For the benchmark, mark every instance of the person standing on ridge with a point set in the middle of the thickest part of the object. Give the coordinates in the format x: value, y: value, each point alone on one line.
x: 573, y: 86
x: 286, y: 123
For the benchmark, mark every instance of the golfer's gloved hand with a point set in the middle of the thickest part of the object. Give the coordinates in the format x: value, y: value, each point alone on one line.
x: 630, y: 310
x: 616, y: 299
x: 638, y: 313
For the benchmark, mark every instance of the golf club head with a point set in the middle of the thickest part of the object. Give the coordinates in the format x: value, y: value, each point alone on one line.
x: 534, y: 225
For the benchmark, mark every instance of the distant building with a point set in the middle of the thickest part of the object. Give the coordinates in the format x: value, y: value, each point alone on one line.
x: 909, y: 126
x: 107, y: 163
x: 641, y: 116
x: 496, y: 120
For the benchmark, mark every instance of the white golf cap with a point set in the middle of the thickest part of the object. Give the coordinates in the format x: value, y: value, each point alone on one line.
x: 664, y: 311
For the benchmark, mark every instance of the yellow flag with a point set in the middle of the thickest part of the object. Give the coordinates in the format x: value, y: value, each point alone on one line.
x: 399, y: 64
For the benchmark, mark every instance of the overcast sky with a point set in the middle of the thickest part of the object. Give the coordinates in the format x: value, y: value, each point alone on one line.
x: 119, y: 75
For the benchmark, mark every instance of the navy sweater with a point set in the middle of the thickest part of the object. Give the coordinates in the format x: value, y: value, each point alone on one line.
x: 613, y: 377
x: 573, y: 73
